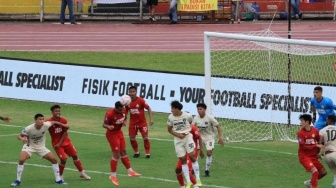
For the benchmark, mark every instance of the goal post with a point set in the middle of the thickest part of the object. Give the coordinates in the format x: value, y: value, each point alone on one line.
x: 252, y: 90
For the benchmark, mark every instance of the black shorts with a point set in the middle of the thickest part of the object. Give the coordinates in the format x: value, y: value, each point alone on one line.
x: 152, y: 2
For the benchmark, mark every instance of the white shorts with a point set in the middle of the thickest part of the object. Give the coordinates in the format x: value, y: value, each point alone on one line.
x: 209, y: 143
x: 39, y: 151
x: 184, y: 146
x: 330, y: 159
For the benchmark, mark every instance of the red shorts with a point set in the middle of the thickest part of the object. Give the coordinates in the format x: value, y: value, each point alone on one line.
x: 310, y: 163
x: 63, y: 151
x: 133, y: 130
x: 117, y: 141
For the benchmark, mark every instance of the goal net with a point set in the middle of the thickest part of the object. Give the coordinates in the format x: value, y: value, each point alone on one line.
x: 260, y: 83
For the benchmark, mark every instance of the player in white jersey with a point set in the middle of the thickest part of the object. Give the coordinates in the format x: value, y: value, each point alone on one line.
x: 328, y: 137
x: 179, y: 126
x: 206, y: 124
x: 34, y: 138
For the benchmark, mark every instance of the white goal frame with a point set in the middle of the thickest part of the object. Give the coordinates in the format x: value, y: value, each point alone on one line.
x: 231, y: 36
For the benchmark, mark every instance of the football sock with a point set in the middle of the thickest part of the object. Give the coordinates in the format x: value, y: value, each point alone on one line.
x: 61, y: 169
x: 114, y: 174
x: 147, y: 146
x: 321, y: 175
x: 113, y: 164
x: 192, y: 178
x: 129, y: 170
x: 19, y: 172
x: 134, y: 144
x: 79, y: 165
x: 208, y: 162
x: 126, y: 161
x: 196, y: 170
x: 180, y: 179
x: 314, y: 179
x: 56, y: 172
x: 185, y: 170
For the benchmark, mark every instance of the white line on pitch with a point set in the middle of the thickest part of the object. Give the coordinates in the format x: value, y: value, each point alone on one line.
x: 170, y: 140
x: 106, y: 173
x: 8, y: 135
x: 114, y: 50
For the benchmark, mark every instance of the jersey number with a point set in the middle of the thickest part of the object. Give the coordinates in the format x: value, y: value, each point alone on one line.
x: 331, y: 135
x: 58, y: 130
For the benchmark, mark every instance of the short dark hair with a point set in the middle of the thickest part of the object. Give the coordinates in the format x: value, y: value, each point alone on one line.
x: 306, y: 117
x: 202, y: 105
x: 318, y: 88
x: 56, y: 106
x: 176, y: 104
x: 37, y: 116
x: 118, y: 104
x: 331, y: 119
x: 132, y: 87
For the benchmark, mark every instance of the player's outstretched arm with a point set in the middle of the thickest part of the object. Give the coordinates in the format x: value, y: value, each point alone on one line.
x: 6, y: 119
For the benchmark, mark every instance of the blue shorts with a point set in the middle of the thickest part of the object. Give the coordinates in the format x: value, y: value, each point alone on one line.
x: 320, y: 124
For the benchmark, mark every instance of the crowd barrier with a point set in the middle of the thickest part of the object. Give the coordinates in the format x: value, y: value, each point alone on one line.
x: 89, y: 9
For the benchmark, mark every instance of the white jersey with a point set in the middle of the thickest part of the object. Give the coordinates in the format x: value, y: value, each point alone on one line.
x: 206, y: 125
x: 181, y: 124
x: 37, y: 137
x: 329, y: 137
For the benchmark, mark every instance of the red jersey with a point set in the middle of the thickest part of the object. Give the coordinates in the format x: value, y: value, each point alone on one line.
x: 307, y: 143
x: 137, y: 111
x: 196, y: 135
x: 56, y: 132
x: 115, y: 119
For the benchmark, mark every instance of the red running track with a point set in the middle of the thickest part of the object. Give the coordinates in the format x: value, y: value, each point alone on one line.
x: 141, y: 38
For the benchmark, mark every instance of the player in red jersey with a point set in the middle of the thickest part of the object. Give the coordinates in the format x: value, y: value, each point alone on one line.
x: 138, y: 121
x: 308, y: 138
x: 114, y: 120
x: 62, y: 144
x: 199, y: 146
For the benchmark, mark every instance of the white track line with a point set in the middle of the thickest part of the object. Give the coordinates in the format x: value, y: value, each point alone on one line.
x: 90, y: 45
x: 170, y: 140
x: 106, y: 173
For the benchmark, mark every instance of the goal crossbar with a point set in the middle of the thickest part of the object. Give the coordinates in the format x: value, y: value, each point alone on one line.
x: 269, y: 39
